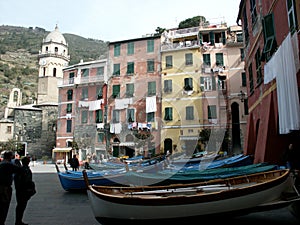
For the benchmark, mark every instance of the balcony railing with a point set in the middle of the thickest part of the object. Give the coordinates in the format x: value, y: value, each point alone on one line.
x: 81, y: 80
x: 180, y: 45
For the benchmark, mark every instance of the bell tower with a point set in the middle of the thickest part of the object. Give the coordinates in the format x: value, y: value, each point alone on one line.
x: 52, y: 59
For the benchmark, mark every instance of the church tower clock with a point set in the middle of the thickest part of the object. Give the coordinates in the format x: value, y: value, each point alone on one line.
x: 52, y: 59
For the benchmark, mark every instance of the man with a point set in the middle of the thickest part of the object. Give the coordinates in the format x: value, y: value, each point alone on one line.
x: 74, y: 163
x: 7, y: 169
x: 25, y: 188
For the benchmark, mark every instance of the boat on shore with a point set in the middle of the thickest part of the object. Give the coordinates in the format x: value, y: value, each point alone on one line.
x: 74, y: 181
x: 235, y: 195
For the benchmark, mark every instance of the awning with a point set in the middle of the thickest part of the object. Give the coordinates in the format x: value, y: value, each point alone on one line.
x: 62, y: 149
x: 189, y: 138
x: 124, y: 144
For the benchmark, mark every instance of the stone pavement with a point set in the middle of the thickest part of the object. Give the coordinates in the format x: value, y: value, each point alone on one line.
x: 52, y: 205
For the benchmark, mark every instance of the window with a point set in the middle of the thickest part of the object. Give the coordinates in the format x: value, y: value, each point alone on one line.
x: 239, y: 37
x: 56, y: 50
x: 130, y: 48
x: 69, y: 107
x: 212, y: 112
x: 253, y: 11
x: 54, y: 72
x: 245, y: 27
x: 150, y: 65
x: 188, y: 84
x: 188, y: 59
x: 116, y: 116
x: 269, y: 37
x: 150, y: 45
x: 150, y: 117
x: 251, y: 83
x: 130, y: 68
x: 129, y: 90
x: 219, y: 59
x: 130, y: 115
x: 99, y: 93
x: 84, y: 93
x: 117, y: 49
x: 69, y: 126
x: 85, y: 72
x: 100, y: 70
x: 151, y: 88
x: 167, y: 86
x: 100, y: 137
x: 168, y: 114
x: 244, y: 79
x: 292, y: 16
x: 99, y: 116
x: 206, y: 60
x: 8, y: 129
x: 242, y: 54
x: 116, y: 71
x: 116, y: 91
x: 84, y: 116
x: 169, y: 61
x: 207, y: 83
x: 69, y: 94
x: 258, y: 67
x: 71, y: 78
x: 189, y: 113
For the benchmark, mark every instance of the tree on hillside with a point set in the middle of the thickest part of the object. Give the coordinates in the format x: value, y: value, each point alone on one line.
x: 191, y: 22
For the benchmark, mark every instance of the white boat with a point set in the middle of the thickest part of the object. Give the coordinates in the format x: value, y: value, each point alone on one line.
x: 187, y: 201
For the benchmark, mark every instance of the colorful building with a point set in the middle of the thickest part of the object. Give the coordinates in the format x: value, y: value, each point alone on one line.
x: 271, y: 50
x: 134, y: 97
x: 81, y: 111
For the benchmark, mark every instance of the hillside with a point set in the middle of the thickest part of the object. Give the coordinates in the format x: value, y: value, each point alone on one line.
x: 19, y: 48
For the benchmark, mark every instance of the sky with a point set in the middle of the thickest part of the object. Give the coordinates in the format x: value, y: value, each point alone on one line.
x: 113, y: 20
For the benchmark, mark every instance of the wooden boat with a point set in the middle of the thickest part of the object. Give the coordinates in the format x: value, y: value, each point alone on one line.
x: 176, y: 202
x: 209, y: 163
x: 74, y: 181
x: 172, y: 176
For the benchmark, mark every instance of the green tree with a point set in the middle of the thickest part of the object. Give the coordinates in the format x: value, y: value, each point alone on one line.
x: 191, y: 22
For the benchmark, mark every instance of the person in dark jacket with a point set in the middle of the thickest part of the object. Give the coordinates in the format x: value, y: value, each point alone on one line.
x: 7, y: 169
x: 74, y: 162
x: 25, y: 188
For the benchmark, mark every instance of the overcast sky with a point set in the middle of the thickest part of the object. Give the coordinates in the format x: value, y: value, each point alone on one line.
x: 113, y: 20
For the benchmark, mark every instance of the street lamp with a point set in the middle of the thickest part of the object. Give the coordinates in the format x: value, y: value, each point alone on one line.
x: 242, y: 96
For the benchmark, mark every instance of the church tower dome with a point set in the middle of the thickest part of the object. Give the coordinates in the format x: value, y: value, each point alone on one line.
x: 55, y: 36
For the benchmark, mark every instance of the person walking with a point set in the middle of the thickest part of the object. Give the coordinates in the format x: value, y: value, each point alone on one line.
x: 25, y: 189
x: 7, y: 169
x: 74, y: 163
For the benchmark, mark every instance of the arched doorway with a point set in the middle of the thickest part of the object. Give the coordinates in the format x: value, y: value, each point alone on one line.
x: 129, y: 150
x: 116, y: 148
x: 168, y: 145
x: 236, y: 131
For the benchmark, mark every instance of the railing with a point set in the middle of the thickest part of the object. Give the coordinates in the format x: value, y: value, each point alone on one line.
x: 185, y: 44
x: 81, y: 80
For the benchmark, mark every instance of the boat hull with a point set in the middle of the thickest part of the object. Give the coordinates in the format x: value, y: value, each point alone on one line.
x: 173, y: 208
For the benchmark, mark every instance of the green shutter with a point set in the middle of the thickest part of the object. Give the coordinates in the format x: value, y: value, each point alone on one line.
x: 116, y: 91
x: 150, y: 45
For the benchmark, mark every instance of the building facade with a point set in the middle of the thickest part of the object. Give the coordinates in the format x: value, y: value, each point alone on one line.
x: 271, y: 50
x: 82, y: 111
x: 134, y: 97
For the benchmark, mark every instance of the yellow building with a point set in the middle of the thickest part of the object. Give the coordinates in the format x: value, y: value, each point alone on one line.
x: 182, y: 111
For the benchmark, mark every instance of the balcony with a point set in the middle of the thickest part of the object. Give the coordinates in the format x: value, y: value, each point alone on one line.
x: 180, y: 45
x: 80, y: 80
